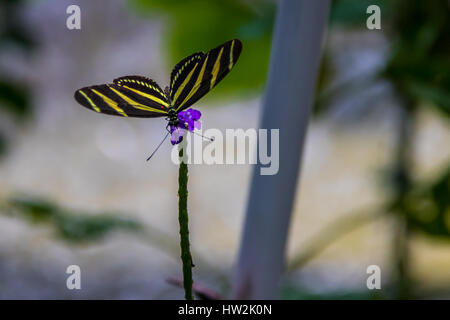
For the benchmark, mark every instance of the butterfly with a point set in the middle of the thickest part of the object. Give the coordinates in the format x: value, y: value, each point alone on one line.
x: 190, y: 80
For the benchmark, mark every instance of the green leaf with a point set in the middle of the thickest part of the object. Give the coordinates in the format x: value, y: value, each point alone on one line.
x: 3, y: 145
x: 428, y: 208
x: 438, y: 97
x: 197, y: 25
x: 352, y: 13
x: 83, y: 228
x: 77, y: 227
x: 36, y: 210
x: 419, y: 63
x: 14, y: 98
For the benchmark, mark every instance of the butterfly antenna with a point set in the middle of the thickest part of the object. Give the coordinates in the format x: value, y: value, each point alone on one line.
x: 159, y: 145
x: 204, y: 137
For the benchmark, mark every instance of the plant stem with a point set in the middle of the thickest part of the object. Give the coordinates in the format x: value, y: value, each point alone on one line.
x: 183, y: 219
x: 402, y: 182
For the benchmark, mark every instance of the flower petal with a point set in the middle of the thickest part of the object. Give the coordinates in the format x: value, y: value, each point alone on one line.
x: 195, y: 114
x: 191, y: 125
x: 182, y: 116
x: 177, y: 136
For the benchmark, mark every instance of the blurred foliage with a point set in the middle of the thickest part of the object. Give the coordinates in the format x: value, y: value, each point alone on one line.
x: 15, y: 97
x: 419, y: 64
x: 326, y: 74
x: 200, y: 25
x: 421, y: 28
x: 351, y: 13
x: 428, y: 209
x: 418, y: 68
x: 81, y: 228
x: 75, y: 227
x: 2, y: 144
x: 13, y: 31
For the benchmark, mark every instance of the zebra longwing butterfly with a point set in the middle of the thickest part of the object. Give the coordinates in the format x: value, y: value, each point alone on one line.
x: 190, y: 80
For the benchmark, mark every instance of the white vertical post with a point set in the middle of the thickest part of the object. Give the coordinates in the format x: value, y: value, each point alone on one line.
x: 294, y: 63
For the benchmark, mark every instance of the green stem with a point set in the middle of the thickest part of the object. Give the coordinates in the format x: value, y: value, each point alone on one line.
x: 402, y: 182
x: 183, y: 219
x: 402, y: 259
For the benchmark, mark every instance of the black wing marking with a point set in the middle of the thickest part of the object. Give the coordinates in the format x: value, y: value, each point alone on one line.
x: 146, y: 88
x: 182, y: 73
x: 204, y: 73
x: 117, y: 100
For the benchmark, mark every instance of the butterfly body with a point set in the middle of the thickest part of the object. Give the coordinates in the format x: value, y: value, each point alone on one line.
x: 190, y: 80
x: 172, y: 116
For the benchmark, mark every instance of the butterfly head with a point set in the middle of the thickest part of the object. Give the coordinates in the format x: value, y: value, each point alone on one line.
x: 181, y: 121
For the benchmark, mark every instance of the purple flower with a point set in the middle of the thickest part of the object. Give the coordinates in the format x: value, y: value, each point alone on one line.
x: 189, y: 120
x: 176, y: 134
x: 190, y: 117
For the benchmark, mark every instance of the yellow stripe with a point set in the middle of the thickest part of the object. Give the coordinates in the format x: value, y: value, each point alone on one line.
x: 185, y: 82
x: 216, y: 69
x: 149, y: 96
x: 110, y: 102
x: 181, y: 70
x: 197, y: 83
x: 231, y: 56
x: 142, y: 83
x: 90, y: 101
x: 135, y: 104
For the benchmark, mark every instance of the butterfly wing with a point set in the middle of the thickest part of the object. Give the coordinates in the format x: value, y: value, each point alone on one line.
x: 131, y: 96
x: 182, y: 73
x: 197, y: 74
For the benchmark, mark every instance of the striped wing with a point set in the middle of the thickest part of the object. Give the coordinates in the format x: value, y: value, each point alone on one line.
x: 131, y: 96
x: 197, y: 74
